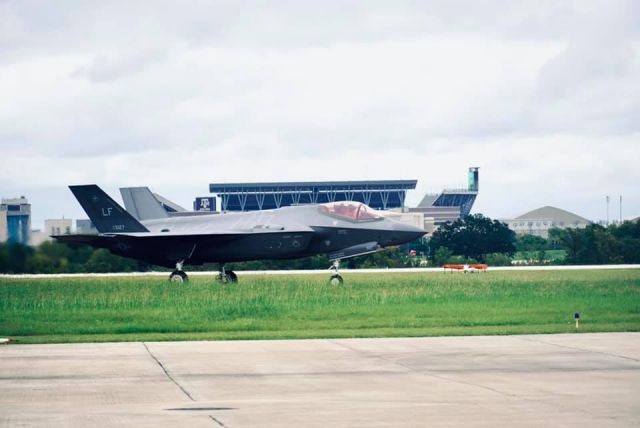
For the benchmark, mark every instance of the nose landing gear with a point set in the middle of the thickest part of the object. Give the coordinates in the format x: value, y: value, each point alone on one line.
x: 336, y: 278
x: 179, y: 275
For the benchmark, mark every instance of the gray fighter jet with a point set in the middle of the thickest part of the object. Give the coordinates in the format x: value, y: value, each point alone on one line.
x: 339, y: 229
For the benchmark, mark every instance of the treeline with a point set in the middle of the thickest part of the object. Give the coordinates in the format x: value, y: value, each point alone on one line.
x: 596, y: 244
x: 473, y: 239
x: 479, y: 239
x: 55, y: 257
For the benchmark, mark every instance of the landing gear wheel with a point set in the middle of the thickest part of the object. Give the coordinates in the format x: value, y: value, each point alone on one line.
x: 336, y: 279
x: 178, y: 276
x: 225, y: 276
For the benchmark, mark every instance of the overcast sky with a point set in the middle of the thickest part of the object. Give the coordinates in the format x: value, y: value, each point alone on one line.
x: 543, y: 96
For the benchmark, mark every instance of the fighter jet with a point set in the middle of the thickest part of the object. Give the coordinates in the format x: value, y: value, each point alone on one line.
x: 340, y: 229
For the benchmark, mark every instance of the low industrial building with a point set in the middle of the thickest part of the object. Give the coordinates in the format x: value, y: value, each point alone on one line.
x: 538, y: 222
x: 58, y: 226
x: 417, y: 219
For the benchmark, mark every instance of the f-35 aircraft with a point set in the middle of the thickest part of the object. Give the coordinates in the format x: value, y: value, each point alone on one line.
x: 339, y: 229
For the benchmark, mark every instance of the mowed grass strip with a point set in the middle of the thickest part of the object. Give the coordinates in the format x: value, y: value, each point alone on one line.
x: 306, y: 306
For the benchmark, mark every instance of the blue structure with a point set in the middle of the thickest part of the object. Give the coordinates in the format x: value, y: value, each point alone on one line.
x: 379, y: 194
x: 18, y: 219
x: 204, y: 204
x: 463, y: 198
x: 456, y: 198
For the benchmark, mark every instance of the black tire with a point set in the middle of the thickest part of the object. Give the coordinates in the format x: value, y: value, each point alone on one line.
x: 336, y: 279
x: 178, y: 276
x: 232, y: 277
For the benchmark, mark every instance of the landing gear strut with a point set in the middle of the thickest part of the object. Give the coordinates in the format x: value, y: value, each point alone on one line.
x: 335, y: 279
x: 178, y: 275
x: 226, y: 276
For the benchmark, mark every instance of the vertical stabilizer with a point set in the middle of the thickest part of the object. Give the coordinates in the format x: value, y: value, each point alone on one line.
x: 142, y: 204
x: 104, y: 212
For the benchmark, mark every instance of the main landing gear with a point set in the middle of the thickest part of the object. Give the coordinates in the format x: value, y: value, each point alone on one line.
x: 335, y: 279
x: 225, y: 276
x: 178, y: 275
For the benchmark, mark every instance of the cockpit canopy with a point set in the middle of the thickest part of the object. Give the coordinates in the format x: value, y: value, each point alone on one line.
x: 350, y: 210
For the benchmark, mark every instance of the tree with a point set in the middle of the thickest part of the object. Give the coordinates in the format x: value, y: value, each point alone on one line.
x: 15, y: 257
x: 596, y: 244
x: 497, y: 259
x: 442, y: 256
x: 474, y: 236
x: 531, y: 243
x: 103, y: 261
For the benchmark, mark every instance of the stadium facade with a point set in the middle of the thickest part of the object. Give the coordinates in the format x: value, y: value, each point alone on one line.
x: 379, y: 194
x: 454, y: 198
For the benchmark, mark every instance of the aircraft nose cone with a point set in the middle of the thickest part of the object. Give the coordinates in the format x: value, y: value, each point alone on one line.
x: 408, y: 233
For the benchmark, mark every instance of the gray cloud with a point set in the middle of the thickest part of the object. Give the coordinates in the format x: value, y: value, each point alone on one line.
x: 115, y: 91
x: 109, y: 67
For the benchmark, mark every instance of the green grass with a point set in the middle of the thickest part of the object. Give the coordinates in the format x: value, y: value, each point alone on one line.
x: 305, y: 306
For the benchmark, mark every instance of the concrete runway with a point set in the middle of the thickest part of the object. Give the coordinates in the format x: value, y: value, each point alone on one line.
x: 313, y: 272
x: 581, y: 380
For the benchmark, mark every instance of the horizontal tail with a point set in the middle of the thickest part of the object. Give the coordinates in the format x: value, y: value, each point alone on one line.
x: 104, y: 212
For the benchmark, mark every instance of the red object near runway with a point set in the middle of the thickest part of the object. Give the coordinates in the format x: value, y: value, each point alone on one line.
x: 466, y: 268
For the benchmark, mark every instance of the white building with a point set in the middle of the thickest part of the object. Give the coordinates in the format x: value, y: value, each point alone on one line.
x: 58, y: 226
x: 3, y: 226
x: 539, y: 221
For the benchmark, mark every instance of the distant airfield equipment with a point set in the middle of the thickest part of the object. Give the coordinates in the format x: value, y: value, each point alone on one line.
x: 340, y: 229
x: 469, y: 268
x: 620, y: 209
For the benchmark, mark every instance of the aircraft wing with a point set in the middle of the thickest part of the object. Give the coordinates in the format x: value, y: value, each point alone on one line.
x: 200, y: 233
x: 94, y: 239
x: 77, y: 239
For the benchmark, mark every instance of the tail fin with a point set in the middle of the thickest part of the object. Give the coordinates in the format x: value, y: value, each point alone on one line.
x: 104, y: 212
x: 140, y: 202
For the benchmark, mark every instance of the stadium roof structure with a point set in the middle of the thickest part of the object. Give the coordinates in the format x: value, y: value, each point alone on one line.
x: 554, y: 214
x: 463, y: 198
x: 379, y: 194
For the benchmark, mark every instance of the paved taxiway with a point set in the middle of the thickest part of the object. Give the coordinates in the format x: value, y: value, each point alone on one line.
x: 314, y: 272
x: 585, y: 380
